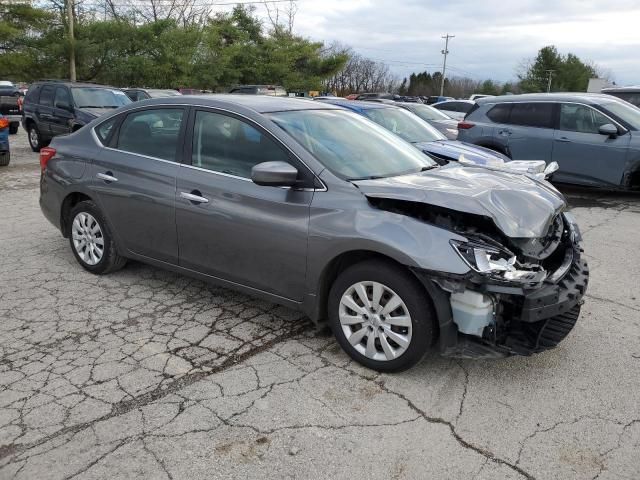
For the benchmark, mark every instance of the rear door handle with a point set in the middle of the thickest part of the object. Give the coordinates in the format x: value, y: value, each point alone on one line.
x: 107, y: 177
x: 504, y: 132
x: 195, y: 197
x: 564, y: 139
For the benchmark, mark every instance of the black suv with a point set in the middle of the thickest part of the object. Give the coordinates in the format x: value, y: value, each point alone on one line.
x: 54, y: 108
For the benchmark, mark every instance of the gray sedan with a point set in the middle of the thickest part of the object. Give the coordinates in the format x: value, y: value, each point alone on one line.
x: 442, y: 122
x: 320, y: 209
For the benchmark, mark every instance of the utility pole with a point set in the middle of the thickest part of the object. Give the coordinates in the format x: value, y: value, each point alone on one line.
x: 72, y: 48
x: 550, y: 73
x: 445, y: 52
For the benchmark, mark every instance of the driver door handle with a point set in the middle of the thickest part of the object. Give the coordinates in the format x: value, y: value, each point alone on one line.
x: 194, y: 197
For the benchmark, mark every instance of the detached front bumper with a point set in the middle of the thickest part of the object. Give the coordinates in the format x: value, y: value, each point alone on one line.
x: 527, y: 320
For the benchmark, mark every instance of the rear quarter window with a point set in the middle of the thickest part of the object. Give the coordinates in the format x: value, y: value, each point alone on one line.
x: 46, y: 96
x: 105, y: 129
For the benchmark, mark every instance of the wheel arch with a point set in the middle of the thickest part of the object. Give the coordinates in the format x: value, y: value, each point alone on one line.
x: 70, y: 201
x: 494, y: 145
x: 339, y: 264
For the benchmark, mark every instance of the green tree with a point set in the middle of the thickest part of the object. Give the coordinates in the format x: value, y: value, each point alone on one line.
x: 568, y: 72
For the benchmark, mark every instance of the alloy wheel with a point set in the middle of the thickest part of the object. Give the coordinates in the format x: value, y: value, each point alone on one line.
x: 375, y: 321
x: 33, y: 137
x: 88, y: 240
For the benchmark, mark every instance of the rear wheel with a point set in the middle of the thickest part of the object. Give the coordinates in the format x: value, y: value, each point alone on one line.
x: 5, y: 158
x: 381, y: 316
x: 35, y: 140
x: 91, y: 240
x: 13, y: 128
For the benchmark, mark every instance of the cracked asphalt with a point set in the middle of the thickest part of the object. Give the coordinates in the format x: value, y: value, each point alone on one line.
x: 147, y: 374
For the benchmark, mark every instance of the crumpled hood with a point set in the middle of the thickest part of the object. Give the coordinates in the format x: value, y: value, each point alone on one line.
x: 520, y: 206
x: 453, y: 149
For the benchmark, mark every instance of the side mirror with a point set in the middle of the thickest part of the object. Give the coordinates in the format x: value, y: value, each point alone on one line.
x: 609, y: 130
x: 274, y: 174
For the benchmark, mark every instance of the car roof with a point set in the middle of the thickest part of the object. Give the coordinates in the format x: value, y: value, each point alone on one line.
x: 464, y: 100
x: 549, y: 97
x: 357, y: 105
x: 73, y: 84
x: 629, y: 89
x: 258, y: 103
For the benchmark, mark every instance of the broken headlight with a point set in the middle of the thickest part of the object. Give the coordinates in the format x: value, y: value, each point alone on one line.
x: 484, y: 258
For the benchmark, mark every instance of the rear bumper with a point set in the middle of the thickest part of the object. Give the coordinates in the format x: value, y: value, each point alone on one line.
x: 14, y: 118
x: 527, y: 321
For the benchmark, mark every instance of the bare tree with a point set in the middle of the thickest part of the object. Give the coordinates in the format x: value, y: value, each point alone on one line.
x: 282, y: 19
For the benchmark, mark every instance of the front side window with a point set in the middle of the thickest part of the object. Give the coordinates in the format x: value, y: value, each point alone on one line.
x: 624, y: 111
x: 404, y: 124
x: 535, y: 114
x: 580, y: 118
x: 153, y: 133
x: 98, y: 97
x: 227, y: 145
x: 351, y: 146
x: 62, y: 97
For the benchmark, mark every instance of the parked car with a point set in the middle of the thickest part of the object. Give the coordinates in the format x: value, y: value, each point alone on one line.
x: 8, y: 89
x: 437, y: 119
x: 5, y: 151
x: 351, y: 96
x: 476, y: 96
x: 371, y: 96
x: 436, y: 99
x: 10, y: 111
x: 456, y: 109
x: 419, y: 133
x: 317, y: 208
x: 53, y: 108
x: 594, y: 138
x: 272, y: 90
x: 629, y: 94
x: 137, y: 94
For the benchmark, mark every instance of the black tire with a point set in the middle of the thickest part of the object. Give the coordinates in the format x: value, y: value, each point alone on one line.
x: 35, y: 139
x: 5, y: 158
x: 110, y: 260
x: 415, y: 298
x: 13, y: 128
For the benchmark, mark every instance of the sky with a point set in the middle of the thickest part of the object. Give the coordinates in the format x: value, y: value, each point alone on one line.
x: 492, y: 37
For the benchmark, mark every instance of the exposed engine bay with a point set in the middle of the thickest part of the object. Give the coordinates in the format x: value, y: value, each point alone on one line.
x: 521, y: 295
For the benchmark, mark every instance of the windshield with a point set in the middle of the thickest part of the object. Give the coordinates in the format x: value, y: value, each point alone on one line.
x: 404, y: 124
x: 426, y: 112
x: 625, y: 111
x: 350, y: 146
x: 98, y: 97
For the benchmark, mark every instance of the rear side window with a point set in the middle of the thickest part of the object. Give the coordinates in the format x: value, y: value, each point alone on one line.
x: 33, y: 94
x: 103, y: 131
x: 153, y: 133
x: 534, y: 114
x: 46, y: 96
x: 500, y: 113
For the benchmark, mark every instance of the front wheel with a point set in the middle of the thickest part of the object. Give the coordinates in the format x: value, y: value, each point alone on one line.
x: 381, y: 316
x: 91, y: 240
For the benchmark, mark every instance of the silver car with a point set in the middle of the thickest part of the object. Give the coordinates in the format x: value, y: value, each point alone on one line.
x: 594, y: 138
x: 319, y: 209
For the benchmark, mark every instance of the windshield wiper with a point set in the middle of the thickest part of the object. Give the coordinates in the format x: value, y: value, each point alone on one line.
x: 90, y: 106
x: 369, y: 177
x: 428, y: 167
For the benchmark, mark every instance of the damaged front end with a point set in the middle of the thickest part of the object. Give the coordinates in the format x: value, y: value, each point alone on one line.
x: 522, y: 295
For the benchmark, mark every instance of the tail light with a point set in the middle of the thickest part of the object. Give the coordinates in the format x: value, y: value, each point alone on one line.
x: 4, y: 123
x: 465, y: 125
x: 46, y: 154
